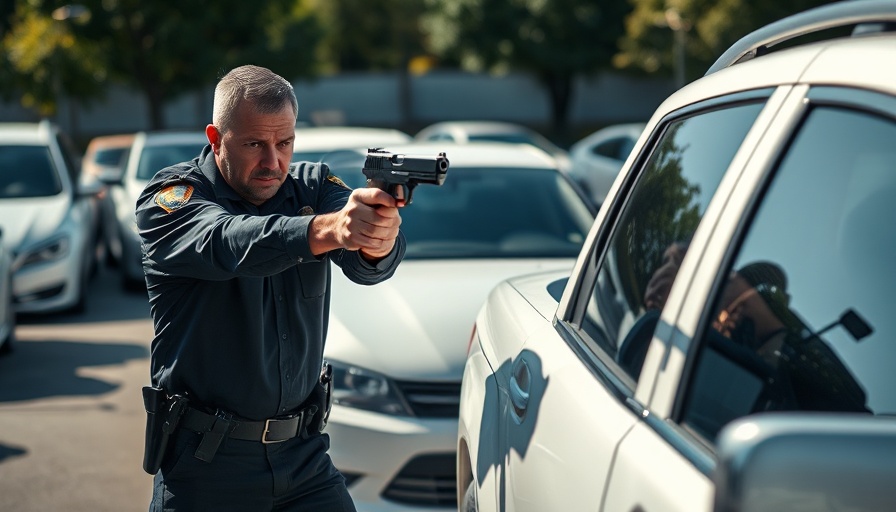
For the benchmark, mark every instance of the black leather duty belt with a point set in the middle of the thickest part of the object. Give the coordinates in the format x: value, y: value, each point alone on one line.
x: 274, y: 430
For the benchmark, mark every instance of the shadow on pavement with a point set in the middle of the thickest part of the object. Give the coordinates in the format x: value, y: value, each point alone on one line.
x: 107, y: 301
x: 42, y: 369
x: 8, y: 452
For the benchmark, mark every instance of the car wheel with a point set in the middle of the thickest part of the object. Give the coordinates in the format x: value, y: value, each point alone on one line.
x: 470, y: 502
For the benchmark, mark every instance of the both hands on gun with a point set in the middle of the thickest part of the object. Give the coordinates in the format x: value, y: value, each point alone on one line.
x: 393, y: 171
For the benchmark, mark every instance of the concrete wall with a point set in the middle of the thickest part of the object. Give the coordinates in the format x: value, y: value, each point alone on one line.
x: 388, y: 100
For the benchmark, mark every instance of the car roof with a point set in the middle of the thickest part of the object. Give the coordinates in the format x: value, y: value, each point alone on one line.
x: 110, y: 141
x: 325, y: 137
x: 480, y: 154
x: 27, y: 133
x: 162, y: 138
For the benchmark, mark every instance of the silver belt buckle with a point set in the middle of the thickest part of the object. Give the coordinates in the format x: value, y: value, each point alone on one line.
x: 264, y: 435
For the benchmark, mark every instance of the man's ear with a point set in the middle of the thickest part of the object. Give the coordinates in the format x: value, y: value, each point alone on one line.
x: 214, y: 137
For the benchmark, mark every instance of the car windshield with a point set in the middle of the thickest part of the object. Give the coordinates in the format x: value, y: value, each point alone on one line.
x: 155, y: 158
x: 27, y: 171
x: 493, y: 213
x: 109, y: 156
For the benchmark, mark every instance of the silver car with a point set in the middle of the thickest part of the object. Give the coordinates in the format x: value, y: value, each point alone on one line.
x: 49, y: 218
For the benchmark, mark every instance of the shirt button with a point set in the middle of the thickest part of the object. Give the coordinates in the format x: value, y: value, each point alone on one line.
x: 300, y: 260
x: 280, y: 298
x: 284, y: 336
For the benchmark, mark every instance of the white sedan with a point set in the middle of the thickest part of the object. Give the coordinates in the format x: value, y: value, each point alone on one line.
x: 596, y: 159
x: 724, y: 341
x: 149, y: 153
x: 398, y: 347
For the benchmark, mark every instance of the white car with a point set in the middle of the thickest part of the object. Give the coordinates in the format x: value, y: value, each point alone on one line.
x: 494, y: 131
x: 724, y: 341
x: 596, y: 159
x: 398, y: 347
x: 314, y: 143
x: 149, y: 153
x: 49, y: 218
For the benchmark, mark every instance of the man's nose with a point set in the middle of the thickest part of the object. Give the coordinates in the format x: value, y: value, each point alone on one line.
x: 269, y: 158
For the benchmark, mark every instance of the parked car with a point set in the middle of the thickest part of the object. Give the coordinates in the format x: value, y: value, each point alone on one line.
x: 596, y: 159
x: 724, y: 339
x: 313, y: 143
x: 495, y: 131
x: 149, y: 153
x: 7, y: 314
x: 398, y: 347
x: 49, y: 217
x: 104, y: 161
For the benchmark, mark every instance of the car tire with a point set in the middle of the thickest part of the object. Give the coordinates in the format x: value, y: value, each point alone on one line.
x: 470, y: 502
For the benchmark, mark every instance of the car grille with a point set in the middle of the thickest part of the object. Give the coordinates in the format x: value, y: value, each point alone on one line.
x: 432, y: 399
x: 426, y: 480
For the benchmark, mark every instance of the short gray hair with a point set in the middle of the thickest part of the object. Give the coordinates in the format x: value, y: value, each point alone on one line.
x: 266, y: 90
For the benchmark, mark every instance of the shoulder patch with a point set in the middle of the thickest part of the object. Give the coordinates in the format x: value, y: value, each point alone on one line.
x: 335, y: 179
x: 173, y: 197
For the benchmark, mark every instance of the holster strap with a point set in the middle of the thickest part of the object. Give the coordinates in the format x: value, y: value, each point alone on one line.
x: 274, y: 430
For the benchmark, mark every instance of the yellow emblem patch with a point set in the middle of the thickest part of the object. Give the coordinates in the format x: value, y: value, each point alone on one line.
x: 173, y: 197
x: 335, y: 179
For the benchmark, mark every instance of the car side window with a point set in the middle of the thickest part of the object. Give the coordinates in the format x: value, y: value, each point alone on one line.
x: 804, y: 317
x: 661, y: 214
x: 617, y: 149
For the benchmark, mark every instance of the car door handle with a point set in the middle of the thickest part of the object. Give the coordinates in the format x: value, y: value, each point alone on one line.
x: 519, y: 387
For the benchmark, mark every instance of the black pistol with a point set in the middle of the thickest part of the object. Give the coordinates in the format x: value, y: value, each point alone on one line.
x: 386, y: 171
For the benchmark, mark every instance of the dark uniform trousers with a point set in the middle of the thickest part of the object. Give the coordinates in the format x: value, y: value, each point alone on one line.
x: 294, y: 475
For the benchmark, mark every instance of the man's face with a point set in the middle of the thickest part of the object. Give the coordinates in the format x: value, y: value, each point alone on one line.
x: 254, y: 155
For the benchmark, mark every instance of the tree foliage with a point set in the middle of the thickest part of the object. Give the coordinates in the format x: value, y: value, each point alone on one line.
x: 556, y: 40
x: 163, y: 49
x: 370, y: 35
x: 707, y: 28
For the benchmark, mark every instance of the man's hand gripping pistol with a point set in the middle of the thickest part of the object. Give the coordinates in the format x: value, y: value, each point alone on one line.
x: 388, y: 171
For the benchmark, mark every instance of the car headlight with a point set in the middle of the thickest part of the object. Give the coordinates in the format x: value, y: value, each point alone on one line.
x: 360, y: 388
x: 51, y: 250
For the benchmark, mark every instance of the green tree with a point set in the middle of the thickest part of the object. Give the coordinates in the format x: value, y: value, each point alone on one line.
x: 370, y: 35
x: 556, y: 40
x: 165, y: 49
x: 698, y: 30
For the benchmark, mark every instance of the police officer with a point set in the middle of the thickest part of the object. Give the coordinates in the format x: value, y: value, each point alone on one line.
x: 237, y: 248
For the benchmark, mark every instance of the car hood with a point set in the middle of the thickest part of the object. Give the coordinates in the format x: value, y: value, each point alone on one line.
x: 417, y: 325
x: 35, y: 218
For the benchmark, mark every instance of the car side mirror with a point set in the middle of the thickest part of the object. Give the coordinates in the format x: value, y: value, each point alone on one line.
x: 808, y: 462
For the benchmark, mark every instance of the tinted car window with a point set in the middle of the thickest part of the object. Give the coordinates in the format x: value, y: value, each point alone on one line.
x: 651, y: 236
x: 27, y: 171
x: 155, y: 158
x: 491, y: 213
x: 617, y: 149
x: 110, y: 156
x: 804, y: 320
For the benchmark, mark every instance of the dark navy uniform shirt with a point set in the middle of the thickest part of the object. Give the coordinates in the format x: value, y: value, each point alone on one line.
x: 239, y: 303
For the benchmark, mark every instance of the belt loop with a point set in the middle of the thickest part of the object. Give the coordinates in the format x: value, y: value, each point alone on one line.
x: 211, y: 440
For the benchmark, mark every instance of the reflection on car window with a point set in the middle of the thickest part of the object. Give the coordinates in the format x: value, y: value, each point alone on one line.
x: 493, y: 213
x: 805, y: 318
x: 651, y: 236
x: 27, y: 171
x: 155, y: 158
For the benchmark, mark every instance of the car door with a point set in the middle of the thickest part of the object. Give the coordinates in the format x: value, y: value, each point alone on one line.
x: 583, y: 374
x: 791, y: 309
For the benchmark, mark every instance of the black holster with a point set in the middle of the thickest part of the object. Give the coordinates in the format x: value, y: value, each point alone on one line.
x: 322, y: 397
x: 163, y: 412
